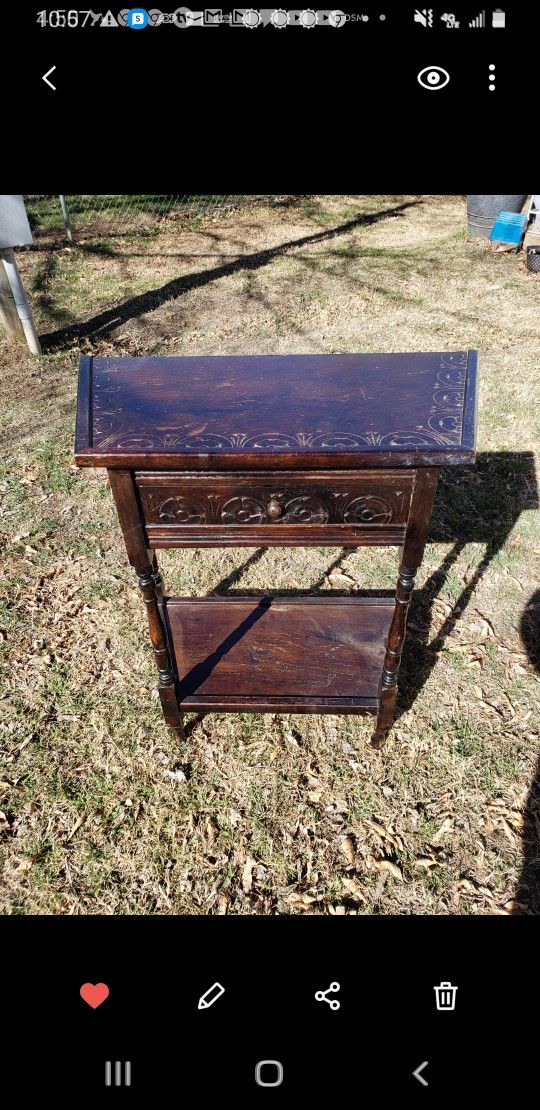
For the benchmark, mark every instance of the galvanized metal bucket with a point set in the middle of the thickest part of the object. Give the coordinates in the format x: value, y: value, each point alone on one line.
x: 482, y: 210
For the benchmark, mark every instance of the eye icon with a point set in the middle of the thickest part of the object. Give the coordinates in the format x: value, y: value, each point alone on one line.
x: 433, y: 77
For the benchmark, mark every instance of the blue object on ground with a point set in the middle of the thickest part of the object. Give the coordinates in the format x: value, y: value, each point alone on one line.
x: 509, y: 228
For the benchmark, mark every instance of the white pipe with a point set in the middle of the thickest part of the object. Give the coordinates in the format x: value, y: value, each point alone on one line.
x: 19, y: 296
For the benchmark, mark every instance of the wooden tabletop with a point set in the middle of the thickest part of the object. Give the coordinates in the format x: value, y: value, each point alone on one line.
x: 279, y: 411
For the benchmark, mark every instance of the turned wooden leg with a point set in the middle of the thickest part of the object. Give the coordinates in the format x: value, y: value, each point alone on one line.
x: 158, y: 587
x: 149, y: 581
x: 146, y: 568
x: 392, y: 659
x: 156, y: 577
x: 425, y: 485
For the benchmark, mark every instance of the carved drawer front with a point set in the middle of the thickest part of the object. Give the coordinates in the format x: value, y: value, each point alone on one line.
x: 275, y: 508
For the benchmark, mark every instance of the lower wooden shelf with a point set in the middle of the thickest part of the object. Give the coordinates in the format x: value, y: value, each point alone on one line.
x: 290, y: 655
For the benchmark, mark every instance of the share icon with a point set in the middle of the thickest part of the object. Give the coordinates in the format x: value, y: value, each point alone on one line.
x: 320, y: 996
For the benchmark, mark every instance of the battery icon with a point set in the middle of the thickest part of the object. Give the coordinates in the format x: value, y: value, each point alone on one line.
x: 498, y: 18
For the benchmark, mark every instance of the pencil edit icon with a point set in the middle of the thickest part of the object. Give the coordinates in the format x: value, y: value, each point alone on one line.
x: 210, y: 996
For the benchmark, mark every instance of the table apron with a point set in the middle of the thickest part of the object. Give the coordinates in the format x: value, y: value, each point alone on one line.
x: 275, y: 535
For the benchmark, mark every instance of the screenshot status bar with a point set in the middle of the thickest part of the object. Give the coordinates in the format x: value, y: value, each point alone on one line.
x: 424, y: 20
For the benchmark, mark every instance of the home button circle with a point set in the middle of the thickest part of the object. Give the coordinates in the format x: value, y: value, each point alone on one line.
x: 269, y: 1073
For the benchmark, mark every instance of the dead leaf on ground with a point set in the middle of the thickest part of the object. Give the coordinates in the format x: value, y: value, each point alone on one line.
x: 340, y: 581
x: 509, y: 833
x: 80, y: 821
x: 486, y: 621
x: 352, y: 886
x: 348, y: 848
x: 297, y: 898
x: 385, y: 833
x: 387, y: 865
x: 247, y: 874
x: 446, y: 827
x: 223, y: 902
x: 176, y: 776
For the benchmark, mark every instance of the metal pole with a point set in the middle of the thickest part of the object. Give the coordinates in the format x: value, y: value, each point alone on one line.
x: 8, y: 309
x: 19, y: 296
x: 65, y: 214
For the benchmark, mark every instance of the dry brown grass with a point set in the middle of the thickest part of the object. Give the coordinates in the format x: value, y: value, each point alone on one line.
x: 102, y: 811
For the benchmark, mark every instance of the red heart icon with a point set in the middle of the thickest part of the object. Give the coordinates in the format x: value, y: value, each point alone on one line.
x: 94, y: 993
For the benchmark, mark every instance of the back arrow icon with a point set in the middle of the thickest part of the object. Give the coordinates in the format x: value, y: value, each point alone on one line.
x: 419, y: 1077
x: 48, y: 74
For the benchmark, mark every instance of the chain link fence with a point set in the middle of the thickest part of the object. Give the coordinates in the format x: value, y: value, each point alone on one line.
x: 88, y: 214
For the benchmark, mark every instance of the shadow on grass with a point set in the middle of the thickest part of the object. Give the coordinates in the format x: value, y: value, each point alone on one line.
x: 105, y: 322
x: 474, y: 504
x: 224, y: 586
x: 479, y: 504
x: 527, y: 897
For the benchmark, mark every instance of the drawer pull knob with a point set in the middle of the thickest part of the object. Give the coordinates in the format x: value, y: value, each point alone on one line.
x: 274, y: 509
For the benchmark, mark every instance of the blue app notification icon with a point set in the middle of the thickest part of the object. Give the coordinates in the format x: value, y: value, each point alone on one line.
x: 137, y: 19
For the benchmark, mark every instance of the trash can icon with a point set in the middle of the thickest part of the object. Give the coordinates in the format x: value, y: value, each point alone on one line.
x: 445, y: 996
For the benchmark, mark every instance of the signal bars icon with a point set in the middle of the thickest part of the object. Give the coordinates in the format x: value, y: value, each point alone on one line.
x: 479, y: 21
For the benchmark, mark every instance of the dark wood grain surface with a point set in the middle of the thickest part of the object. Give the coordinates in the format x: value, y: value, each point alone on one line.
x: 276, y: 411
x: 257, y: 650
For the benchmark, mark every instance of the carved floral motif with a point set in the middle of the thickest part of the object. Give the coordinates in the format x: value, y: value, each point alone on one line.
x: 302, y: 509
x: 305, y: 509
x: 368, y: 510
x: 297, y: 507
x: 180, y: 510
x: 243, y: 510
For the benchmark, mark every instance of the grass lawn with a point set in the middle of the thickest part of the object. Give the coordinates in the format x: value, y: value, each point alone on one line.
x: 102, y: 811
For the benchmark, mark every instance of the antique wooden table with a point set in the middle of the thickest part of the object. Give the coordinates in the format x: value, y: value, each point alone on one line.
x: 306, y: 450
